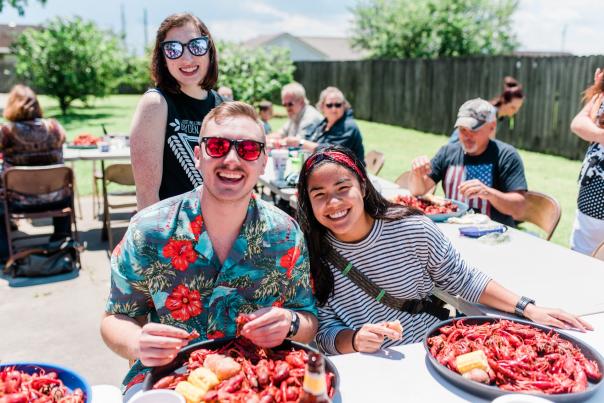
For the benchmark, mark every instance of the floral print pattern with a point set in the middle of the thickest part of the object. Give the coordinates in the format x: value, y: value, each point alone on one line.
x: 184, y: 303
x: 165, y: 269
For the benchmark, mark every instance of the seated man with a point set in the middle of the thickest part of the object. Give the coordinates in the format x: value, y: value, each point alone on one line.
x: 486, y: 174
x: 226, y: 93
x: 302, y: 117
x: 196, y: 261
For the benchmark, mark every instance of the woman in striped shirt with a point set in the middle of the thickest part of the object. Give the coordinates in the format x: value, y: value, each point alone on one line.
x: 355, y: 236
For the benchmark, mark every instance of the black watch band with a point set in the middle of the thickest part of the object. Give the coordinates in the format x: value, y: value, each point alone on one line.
x: 521, y: 305
x: 295, y: 324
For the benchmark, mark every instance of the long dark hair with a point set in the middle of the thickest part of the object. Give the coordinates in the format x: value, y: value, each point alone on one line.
x: 511, y: 89
x: 375, y: 205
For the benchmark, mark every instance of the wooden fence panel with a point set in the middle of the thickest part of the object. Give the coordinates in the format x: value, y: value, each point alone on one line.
x: 426, y: 94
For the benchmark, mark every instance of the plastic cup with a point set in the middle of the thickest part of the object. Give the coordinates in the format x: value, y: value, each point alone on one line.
x: 103, y: 146
x: 520, y: 398
x: 280, y: 157
x: 158, y: 396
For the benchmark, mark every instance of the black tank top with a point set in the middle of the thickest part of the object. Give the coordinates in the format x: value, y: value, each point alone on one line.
x: 185, y: 114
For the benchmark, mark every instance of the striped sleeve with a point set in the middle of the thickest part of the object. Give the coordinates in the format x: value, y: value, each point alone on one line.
x: 329, y: 327
x: 449, y: 271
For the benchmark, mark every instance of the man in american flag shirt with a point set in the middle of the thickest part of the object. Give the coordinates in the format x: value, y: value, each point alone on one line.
x: 485, y: 173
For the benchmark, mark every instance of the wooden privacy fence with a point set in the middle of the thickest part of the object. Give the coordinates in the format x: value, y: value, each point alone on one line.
x: 426, y: 94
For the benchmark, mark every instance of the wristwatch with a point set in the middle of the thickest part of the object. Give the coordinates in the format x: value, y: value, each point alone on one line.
x: 521, y: 306
x: 294, y: 325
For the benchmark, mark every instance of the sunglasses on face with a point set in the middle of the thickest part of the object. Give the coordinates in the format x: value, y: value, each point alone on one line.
x: 197, y: 47
x: 218, y: 147
x: 288, y: 104
x: 334, y: 105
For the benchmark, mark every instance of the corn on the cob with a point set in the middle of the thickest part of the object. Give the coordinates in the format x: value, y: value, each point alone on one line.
x: 469, y: 361
x: 190, y: 392
x: 203, y: 378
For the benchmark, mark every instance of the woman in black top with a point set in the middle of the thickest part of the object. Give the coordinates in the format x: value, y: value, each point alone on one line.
x: 338, y: 127
x: 165, y: 127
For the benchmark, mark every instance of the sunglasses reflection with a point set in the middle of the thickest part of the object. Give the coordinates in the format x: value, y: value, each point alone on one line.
x: 218, y: 147
x: 175, y: 49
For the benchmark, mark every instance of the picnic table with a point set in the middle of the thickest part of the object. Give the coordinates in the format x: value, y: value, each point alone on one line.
x: 403, y: 374
x: 552, y: 275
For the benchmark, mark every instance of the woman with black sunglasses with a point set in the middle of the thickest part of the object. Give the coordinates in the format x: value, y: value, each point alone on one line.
x: 165, y: 126
x: 338, y: 127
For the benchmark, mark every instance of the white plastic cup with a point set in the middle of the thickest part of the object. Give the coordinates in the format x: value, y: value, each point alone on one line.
x: 158, y: 396
x: 280, y: 157
x: 520, y: 398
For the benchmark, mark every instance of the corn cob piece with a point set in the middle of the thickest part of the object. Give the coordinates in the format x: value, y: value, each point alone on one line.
x: 203, y: 378
x: 190, y: 392
x: 469, y: 361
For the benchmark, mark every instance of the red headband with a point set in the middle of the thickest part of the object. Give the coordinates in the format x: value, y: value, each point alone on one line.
x: 334, y: 156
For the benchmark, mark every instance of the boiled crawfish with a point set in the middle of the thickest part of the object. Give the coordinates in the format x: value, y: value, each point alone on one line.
x: 521, y: 357
x: 266, y: 375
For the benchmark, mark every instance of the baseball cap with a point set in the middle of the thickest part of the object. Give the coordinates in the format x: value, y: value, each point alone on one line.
x: 475, y: 113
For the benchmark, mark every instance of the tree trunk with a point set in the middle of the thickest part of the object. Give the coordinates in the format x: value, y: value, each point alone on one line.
x: 64, y: 104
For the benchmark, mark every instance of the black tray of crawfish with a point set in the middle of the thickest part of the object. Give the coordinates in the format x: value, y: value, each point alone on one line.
x: 519, y: 357
x: 244, y: 370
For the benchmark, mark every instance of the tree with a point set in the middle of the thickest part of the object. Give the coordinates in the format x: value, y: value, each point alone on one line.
x: 254, y: 74
x: 69, y: 60
x: 434, y: 28
x: 18, y: 4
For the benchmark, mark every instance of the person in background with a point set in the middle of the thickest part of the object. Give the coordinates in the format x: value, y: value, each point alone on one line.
x: 485, y: 173
x: 197, y: 261
x: 374, y: 263
x: 588, y: 228
x: 265, y: 110
x: 226, y: 94
x: 27, y: 139
x: 507, y: 104
x: 302, y: 117
x: 338, y: 127
x: 165, y: 126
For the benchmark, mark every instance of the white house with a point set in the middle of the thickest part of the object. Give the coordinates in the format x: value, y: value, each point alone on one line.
x: 309, y: 48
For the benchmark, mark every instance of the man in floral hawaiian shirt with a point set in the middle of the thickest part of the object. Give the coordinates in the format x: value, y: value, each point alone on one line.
x: 198, y: 260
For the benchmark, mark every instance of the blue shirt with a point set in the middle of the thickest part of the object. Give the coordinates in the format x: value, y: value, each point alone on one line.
x: 166, y: 267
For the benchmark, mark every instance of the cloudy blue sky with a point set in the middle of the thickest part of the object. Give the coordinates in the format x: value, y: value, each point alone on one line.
x: 539, y: 24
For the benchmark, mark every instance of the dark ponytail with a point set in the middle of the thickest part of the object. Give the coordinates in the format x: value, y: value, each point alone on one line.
x: 512, y: 89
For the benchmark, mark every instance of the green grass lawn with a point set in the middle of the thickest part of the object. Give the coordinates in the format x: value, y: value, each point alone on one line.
x: 555, y: 176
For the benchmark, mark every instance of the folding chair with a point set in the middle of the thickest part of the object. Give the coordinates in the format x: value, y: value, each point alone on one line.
x: 599, y: 252
x: 122, y: 175
x: 543, y: 211
x: 403, y: 181
x: 24, y: 183
x: 374, y: 161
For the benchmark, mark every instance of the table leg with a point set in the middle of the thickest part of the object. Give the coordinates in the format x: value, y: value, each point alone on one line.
x: 104, y: 232
x: 77, y: 193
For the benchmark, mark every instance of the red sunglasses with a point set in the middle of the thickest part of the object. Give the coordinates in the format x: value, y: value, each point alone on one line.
x: 218, y: 147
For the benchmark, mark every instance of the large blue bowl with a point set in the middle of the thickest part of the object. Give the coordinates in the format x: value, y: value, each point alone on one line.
x: 71, y: 379
x: 462, y: 208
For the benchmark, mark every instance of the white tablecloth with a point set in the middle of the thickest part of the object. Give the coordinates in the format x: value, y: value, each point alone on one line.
x: 403, y: 374
x: 549, y: 273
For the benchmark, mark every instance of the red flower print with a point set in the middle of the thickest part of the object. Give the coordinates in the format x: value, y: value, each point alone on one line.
x: 180, y: 253
x: 184, y: 303
x: 216, y: 334
x: 278, y: 303
x: 289, y: 259
x: 137, y: 379
x: 196, y: 226
x: 117, y: 251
